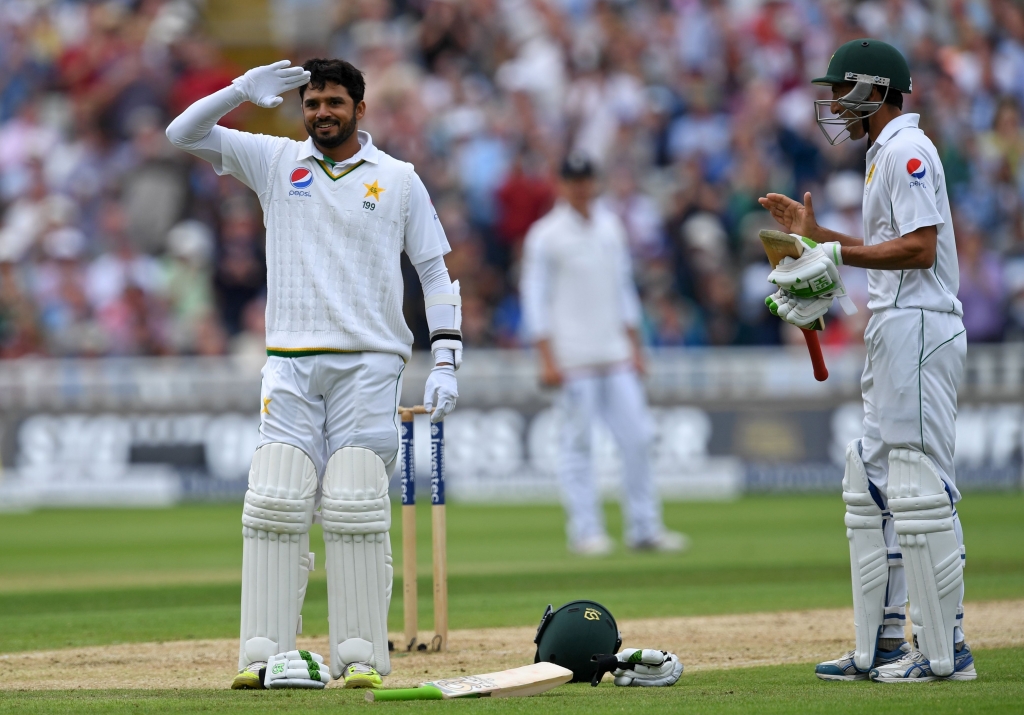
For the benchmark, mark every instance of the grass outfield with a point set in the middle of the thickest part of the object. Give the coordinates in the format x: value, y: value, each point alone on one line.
x: 89, y: 577
x: 780, y: 689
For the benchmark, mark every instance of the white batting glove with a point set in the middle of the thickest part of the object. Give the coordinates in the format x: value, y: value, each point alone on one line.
x: 640, y: 667
x: 264, y: 85
x: 801, y: 312
x: 296, y: 669
x: 441, y: 392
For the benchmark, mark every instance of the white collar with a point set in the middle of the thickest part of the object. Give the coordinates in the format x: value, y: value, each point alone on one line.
x: 889, y: 130
x: 367, y: 151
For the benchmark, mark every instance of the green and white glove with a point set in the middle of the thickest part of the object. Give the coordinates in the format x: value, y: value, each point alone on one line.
x: 296, y: 669
x: 640, y: 667
x: 801, y: 312
x: 814, y: 275
x: 264, y: 85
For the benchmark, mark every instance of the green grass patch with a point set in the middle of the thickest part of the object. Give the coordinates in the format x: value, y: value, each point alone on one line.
x: 83, y: 577
x: 765, y: 690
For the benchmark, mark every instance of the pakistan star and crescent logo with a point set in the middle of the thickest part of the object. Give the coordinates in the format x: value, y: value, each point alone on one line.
x: 373, y: 190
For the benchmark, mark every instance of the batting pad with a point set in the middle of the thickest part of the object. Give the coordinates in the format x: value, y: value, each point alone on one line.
x: 275, y: 550
x: 923, y: 518
x: 869, y: 558
x: 356, y: 515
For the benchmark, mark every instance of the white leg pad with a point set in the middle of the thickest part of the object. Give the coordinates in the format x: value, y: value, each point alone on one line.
x: 931, y: 555
x: 275, y: 550
x: 356, y: 516
x: 869, y: 558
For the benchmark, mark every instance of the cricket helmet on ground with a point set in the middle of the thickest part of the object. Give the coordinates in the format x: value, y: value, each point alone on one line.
x: 864, y: 63
x: 573, y: 634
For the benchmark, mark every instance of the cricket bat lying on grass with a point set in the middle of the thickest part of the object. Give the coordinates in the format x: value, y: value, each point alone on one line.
x: 517, y: 682
x: 779, y: 245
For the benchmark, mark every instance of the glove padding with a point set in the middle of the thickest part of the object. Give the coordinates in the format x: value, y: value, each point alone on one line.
x: 801, y: 312
x: 264, y: 85
x: 644, y: 668
x: 812, y: 275
x: 296, y: 669
x: 440, y: 393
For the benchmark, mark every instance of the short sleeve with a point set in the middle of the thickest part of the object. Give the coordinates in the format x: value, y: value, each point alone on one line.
x: 247, y: 156
x: 912, y: 190
x: 424, y: 235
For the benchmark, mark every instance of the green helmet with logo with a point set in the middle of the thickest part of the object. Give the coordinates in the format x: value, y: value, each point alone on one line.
x: 574, y: 634
x: 864, y: 63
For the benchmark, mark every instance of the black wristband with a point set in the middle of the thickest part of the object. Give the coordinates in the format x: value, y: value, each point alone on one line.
x: 445, y: 334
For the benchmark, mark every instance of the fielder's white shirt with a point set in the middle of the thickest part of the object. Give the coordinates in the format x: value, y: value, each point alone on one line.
x: 904, y: 190
x: 335, y: 235
x: 577, y: 287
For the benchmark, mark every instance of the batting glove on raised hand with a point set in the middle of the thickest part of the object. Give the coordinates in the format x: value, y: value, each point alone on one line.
x: 441, y: 392
x: 264, y: 85
x: 646, y: 668
x: 296, y: 669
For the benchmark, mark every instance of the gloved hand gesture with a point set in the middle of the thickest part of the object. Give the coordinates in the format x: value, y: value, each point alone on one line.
x: 441, y: 392
x: 639, y: 667
x: 264, y: 85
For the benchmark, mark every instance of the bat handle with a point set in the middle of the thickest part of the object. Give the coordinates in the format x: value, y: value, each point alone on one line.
x: 424, y: 692
x: 817, y: 359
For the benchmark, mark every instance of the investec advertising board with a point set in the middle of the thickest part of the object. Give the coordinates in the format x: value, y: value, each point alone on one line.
x: 157, y: 432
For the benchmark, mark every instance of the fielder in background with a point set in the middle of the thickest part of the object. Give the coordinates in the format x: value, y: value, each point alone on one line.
x: 339, y: 212
x: 900, y: 485
x: 581, y: 309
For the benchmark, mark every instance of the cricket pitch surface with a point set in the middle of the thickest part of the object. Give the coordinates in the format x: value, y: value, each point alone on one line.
x: 702, y: 643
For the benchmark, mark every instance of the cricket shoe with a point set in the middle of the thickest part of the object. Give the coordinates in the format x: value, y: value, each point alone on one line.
x: 915, y: 668
x: 248, y: 678
x: 360, y: 675
x: 843, y: 668
x: 599, y: 545
x: 665, y: 542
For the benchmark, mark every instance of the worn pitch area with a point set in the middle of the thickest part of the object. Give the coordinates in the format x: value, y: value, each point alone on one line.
x: 705, y: 642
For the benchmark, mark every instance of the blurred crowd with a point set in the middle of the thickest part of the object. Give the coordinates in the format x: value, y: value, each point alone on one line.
x: 114, y: 243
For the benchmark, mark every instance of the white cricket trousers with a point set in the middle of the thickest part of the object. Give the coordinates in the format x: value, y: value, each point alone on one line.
x: 321, y: 403
x: 915, y: 360
x: 617, y: 397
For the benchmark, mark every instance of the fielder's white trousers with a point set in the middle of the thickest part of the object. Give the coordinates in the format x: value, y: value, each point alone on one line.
x: 915, y: 360
x: 321, y: 403
x: 617, y: 397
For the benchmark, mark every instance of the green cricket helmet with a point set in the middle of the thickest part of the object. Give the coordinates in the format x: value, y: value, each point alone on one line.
x: 574, y: 634
x: 865, y: 63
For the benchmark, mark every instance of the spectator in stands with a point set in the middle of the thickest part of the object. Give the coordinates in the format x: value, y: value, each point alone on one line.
x: 695, y: 105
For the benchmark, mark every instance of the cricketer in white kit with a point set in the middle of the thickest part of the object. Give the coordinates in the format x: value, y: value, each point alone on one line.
x: 338, y: 213
x: 900, y: 483
x: 581, y: 309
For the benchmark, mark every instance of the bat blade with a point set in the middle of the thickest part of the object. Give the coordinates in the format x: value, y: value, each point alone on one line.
x: 779, y: 245
x: 517, y: 682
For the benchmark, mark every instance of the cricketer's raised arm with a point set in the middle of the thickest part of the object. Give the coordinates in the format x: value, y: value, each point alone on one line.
x: 240, y: 154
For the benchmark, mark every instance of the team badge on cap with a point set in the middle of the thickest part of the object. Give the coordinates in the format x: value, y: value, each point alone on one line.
x: 301, y: 178
x: 916, y: 168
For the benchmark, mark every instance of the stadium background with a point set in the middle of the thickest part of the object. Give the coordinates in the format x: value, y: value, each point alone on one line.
x: 115, y: 246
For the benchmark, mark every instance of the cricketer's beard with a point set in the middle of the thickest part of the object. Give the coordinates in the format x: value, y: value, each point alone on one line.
x: 343, y: 134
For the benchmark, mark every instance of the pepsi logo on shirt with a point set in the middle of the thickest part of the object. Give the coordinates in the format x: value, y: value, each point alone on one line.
x: 915, y: 167
x: 300, y: 178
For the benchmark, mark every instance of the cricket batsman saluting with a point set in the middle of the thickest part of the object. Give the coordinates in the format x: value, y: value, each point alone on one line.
x: 338, y: 212
x: 900, y: 485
